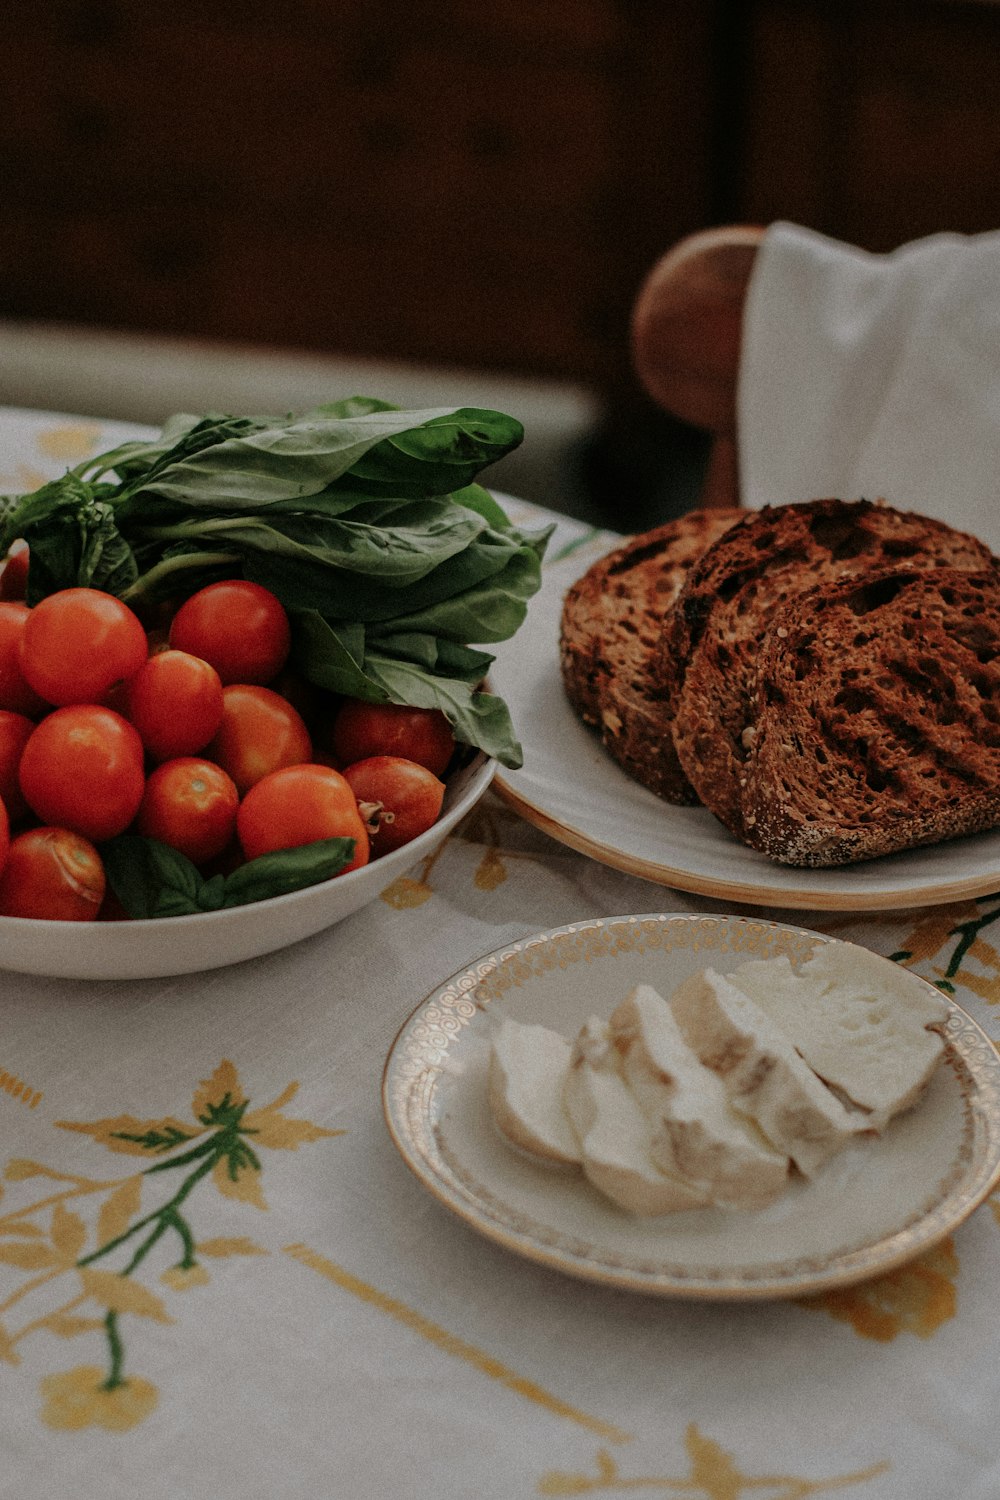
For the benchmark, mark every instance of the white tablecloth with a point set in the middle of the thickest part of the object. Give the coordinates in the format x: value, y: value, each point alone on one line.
x: 301, y: 1319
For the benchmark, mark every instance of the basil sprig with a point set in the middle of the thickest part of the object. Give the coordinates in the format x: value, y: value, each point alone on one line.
x: 365, y: 521
x: 152, y: 880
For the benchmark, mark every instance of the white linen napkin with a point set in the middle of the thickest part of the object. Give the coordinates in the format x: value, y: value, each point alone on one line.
x: 874, y: 375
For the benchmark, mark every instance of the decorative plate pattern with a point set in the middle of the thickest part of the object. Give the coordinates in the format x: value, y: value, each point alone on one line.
x: 874, y: 1207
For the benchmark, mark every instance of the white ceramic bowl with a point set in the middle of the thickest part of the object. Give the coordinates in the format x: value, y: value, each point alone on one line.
x: 209, y: 940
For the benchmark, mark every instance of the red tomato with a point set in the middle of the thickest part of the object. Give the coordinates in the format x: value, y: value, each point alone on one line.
x: 78, y: 643
x: 15, y: 694
x: 259, y: 734
x: 421, y: 734
x: 399, y: 798
x: 14, y: 572
x: 15, y: 732
x: 299, y: 805
x: 241, y: 628
x: 82, y: 769
x: 4, y: 836
x: 191, y: 805
x: 53, y: 873
x: 175, y: 702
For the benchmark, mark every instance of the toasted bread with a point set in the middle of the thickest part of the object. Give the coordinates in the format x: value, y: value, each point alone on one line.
x: 873, y: 722
x: 761, y: 565
x: 612, y: 623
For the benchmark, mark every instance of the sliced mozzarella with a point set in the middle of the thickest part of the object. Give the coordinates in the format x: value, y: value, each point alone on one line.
x: 696, y: 1132
x: 528, y: 1066
x: 615, y: 1135
x: 765, y: 1077
x: 859, y: 1021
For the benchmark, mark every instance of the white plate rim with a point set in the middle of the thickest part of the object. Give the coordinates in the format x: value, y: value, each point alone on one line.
x: 411, y: 1073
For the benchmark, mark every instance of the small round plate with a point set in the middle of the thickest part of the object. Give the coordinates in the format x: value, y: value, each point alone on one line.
x: 877, y: 1205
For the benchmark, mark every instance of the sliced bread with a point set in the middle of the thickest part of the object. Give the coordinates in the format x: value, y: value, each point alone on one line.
x: 758, y: 567
x: 612, y: 624
x: 873, y: 721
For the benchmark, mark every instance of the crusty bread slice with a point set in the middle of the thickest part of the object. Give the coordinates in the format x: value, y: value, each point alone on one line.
x: 612, y: 623
x: 874, y: 720
x: 761, y: 564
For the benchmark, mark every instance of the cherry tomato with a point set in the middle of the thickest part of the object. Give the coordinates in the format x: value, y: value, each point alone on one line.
x: 4, y: 837
x: 191, y: 805
x: 299, y: 805
x: 421, y: 734
x: 14, y: 572
x: 259, y: 734
x: 82, y: 769
x: 399, y: 798
x: 53, y: 873
x: 15, y: 732
x: 15, y: 694
x: 175, y: 702
x: 78, y: 643
x: 241, y: 628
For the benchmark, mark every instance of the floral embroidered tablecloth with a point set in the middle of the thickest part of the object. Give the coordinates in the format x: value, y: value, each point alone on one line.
x: 218, y: 1278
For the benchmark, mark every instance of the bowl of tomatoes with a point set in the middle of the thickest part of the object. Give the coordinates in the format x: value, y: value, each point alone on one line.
x: 172, y: 798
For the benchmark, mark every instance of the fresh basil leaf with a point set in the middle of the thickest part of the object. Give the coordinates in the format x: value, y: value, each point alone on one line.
x: 492, y: 610
x: 284, y: 461
x: 287, y: 870
x: 351, y: 406
x: 73, y: 537
x: 331, y: 654
x: 475, y: 497
x: 152, y: 880
x: 477, y: 718
x: 441, y: 454
x: 435, y: 654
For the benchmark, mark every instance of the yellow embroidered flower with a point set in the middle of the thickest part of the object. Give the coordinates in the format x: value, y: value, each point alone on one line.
x: 916, y: 1298
x: 271, y: 1128
x: 80, y: 1398
x: 182, y: 1278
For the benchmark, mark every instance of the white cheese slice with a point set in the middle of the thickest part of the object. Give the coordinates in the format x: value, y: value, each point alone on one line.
x: 528, y: 1067
x: 859, y: 1021
x: 696, y: 1133
x: 614, y: 1134
x: 765, y: 1077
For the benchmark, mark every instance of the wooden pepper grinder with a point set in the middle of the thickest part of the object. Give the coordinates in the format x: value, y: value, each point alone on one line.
x: 686, y: 336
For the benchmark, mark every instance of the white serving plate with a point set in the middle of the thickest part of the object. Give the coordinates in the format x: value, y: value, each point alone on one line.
x: 875, y: 1206
x: 571, y: 788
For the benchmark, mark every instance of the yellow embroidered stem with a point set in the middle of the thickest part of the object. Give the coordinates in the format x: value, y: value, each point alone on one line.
x: 481, y: 1361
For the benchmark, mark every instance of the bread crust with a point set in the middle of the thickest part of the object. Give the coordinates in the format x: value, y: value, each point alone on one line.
x: 874, y: 718
x: 761, y: 566
x: 610, y: 636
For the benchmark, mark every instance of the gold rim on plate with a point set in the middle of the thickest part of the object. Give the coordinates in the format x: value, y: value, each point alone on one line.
x: 927, y: 1174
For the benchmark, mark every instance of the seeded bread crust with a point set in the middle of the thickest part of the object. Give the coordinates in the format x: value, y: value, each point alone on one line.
x: 875, y: 718
x: 759, y: 567
x: 612, y: 622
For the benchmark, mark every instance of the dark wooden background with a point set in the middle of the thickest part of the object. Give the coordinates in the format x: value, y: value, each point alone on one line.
x: 480, y: 185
